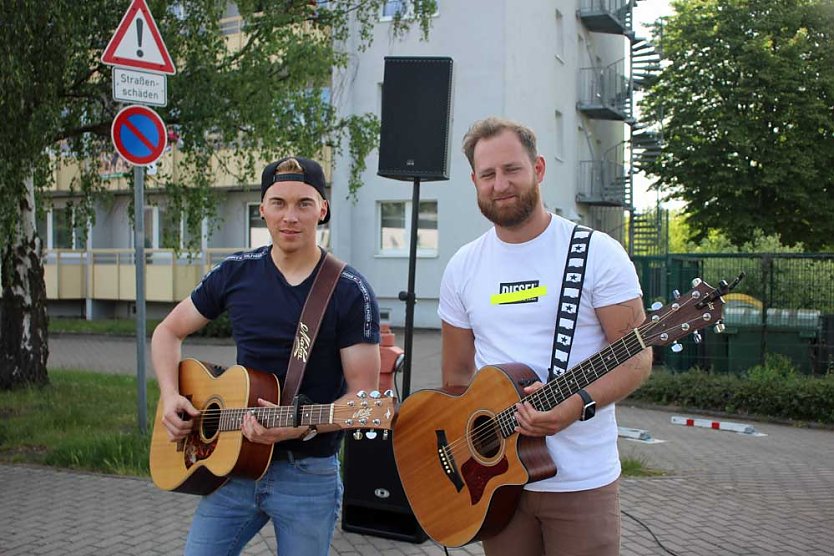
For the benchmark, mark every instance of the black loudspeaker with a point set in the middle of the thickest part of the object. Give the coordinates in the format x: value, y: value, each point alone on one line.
x: 416, y: 105
x: 374, y: 502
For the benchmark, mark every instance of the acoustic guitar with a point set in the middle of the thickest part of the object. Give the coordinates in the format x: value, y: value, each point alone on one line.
x: 216, y: 448
x: 461, y: 463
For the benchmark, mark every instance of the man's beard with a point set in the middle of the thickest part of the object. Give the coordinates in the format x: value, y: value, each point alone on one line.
x: 511, y: 216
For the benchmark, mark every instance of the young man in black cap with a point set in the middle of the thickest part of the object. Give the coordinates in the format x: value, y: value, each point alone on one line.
x: 264, y: 291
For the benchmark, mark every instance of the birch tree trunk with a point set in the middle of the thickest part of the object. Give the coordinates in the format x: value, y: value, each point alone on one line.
x: 23, y: 321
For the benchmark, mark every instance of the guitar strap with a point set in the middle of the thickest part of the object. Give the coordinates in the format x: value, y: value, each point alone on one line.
x: 567, y: 311
x: 308, y: 325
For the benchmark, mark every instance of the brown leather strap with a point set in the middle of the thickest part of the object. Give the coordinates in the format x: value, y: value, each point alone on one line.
x: 308, y: 325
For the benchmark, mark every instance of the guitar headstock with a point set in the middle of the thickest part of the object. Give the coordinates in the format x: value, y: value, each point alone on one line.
x: 698, y: 308
x: 372, y: 411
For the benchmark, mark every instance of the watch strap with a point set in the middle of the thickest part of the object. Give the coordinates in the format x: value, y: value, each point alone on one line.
x: 588, y: 405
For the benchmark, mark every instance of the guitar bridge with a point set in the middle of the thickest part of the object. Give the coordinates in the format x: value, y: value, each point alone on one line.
x: 447, y: 460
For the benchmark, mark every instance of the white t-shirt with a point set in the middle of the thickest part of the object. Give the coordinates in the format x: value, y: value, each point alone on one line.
x: 585, y: 453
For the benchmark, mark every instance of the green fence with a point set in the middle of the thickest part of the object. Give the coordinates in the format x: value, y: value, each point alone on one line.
x: 784, y: 305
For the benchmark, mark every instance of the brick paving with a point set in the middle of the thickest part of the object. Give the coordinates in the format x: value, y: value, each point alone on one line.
x: 722, y: 493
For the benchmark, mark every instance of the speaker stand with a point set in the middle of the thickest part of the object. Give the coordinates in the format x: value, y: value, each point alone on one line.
x: 409, y: 296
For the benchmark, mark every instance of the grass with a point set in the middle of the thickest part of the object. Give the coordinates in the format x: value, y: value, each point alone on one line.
x: 82, y: 420
x: 88, y: 421
x: 636, y: 467
x: 120, y: 327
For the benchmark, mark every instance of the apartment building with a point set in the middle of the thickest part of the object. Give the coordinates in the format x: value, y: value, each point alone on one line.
x: 566, y: 68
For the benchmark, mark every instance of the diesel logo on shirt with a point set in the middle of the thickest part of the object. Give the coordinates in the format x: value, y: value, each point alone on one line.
x: 518, y: 292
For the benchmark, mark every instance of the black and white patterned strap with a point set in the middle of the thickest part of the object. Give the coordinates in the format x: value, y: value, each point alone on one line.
x: 568, y: 310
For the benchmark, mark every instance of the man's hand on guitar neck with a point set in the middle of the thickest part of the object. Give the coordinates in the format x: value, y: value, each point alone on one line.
x: 532, y: 422
x: 177, y: 415
x: 255, y: 432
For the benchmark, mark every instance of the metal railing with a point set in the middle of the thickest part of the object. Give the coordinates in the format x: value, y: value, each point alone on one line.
x: 784, y: 306
x: 604, y: 92
x: 602, y: 182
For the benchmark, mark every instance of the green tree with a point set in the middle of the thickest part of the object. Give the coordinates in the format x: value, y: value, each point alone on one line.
x: 746, y: 103
x: 259, y: 101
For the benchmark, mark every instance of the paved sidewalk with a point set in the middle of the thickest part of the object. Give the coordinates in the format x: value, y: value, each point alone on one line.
x: 723, y: 494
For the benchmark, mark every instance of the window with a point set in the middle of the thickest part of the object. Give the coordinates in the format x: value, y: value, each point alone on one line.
x: 560, y: 37
x: 403, y: 8
x: 257, y: 233
x: 173, y: 230
x: 395, y: 228
x: 560, y: 136
x: 155, y: 220
x: 65, y: 234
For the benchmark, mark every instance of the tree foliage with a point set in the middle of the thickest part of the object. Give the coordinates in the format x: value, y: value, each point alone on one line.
x: 746, y: 105
x: 248, y: 102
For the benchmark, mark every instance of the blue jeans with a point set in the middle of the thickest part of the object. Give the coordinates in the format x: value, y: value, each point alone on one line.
x: 302, y: 497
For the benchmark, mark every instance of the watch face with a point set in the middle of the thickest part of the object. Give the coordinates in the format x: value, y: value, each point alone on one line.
x: 589, y: 411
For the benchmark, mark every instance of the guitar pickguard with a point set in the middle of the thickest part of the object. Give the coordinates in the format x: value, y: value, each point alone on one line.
x: 195, y: 450
x: 476, y: 476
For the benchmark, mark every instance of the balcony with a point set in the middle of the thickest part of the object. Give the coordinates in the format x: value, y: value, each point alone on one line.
x: 110, y: 274
x: 604, y: 93
x: 602, y: 183
x: 605, y: 16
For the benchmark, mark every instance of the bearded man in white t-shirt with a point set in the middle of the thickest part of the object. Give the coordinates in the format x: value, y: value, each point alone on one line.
x: 577, y: 510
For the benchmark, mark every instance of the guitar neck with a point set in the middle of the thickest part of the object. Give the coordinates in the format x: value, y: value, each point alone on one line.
x: 274, y: 417
x: 562, y: 387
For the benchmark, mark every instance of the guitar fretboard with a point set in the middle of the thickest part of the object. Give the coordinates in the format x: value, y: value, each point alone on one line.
x: 562, y: 387
x: 271, y: 417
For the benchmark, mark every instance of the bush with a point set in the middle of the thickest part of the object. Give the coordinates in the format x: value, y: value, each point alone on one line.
x: 221, y: 327
x: 774, y: 390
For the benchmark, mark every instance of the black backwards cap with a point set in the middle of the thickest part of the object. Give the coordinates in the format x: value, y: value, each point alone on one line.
x: 312, y: 175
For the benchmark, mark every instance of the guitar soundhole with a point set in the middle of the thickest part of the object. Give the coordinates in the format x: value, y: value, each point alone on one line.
x: 210, y: 423
x: 485, y: 439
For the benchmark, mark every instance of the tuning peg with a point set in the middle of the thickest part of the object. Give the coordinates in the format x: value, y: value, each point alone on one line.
x: 696, y: 282
x: 357, y: 435
x: 361, y: 394
x: 370, y: 435
x: 676, y: 294
x: 696, y: 337
x: 677, y: 348
x: 388, y: 393
x: 385, y: 434
x: 375, y: 394
x: 719, y: 328
x: 656, y: 306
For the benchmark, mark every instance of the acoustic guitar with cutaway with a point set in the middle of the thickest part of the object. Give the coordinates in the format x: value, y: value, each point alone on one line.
x: 461, y: 462
x: 216, y: 449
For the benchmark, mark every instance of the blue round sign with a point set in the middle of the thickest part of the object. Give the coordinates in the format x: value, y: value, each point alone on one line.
x: 139, y: 135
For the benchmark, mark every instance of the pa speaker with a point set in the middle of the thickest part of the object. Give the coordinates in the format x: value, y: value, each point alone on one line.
x: 374, y: 502
x: 416, y: 105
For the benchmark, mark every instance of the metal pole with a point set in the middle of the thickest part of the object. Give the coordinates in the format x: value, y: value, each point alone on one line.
x: 409, y: 296
x: 139, y: 264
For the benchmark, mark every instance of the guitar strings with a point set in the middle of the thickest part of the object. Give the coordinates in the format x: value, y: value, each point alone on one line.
x: 487, y: 431
x: 279, y: 414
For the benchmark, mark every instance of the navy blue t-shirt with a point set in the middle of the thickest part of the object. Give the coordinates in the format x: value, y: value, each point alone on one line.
x: 264, y: 311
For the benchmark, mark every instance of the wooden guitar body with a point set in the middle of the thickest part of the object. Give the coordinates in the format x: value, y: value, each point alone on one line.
x: 461, y: 476
x: 461, y: 462
x: 202, y: 462
x: 216, y: 448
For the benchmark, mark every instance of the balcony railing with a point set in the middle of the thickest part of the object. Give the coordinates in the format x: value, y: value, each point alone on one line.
x: 605, y: 16
x: 604, y: 92
x: 602, y: 183
x: 110, y: 274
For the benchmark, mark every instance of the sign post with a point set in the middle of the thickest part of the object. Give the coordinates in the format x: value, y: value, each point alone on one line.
x: 139, y: 135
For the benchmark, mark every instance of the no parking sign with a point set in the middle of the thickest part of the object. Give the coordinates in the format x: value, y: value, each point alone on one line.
x: 139, y: 135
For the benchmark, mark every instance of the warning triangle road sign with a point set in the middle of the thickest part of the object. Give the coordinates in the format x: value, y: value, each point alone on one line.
x: 137, y: 43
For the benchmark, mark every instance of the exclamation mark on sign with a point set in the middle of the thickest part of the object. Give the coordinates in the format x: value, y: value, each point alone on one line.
x: 139, y: 36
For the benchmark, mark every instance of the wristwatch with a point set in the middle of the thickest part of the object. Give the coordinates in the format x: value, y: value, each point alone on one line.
x: 589, y: 406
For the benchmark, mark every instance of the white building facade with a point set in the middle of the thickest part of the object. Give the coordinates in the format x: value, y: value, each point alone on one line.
x: 539, y: 62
